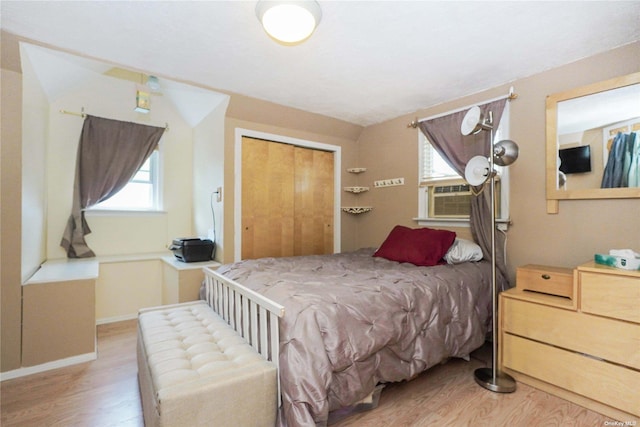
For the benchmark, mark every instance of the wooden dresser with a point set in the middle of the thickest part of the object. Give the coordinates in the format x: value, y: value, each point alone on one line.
x: 580, y: 343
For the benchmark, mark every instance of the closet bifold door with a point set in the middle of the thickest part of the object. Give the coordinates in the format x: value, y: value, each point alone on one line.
x: 313, y: 202
x: 287, y: 200
x: 267, y: 199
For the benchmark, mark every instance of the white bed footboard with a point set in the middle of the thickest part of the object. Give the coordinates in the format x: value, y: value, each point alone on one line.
x: 252, y: 315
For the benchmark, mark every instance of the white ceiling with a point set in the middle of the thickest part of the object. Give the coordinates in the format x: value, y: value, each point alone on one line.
x: 368, y: 61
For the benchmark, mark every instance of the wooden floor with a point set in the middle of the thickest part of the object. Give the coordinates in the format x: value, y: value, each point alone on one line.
x: 94, y: 394
x: 447, y: 395
x: 105, y: 393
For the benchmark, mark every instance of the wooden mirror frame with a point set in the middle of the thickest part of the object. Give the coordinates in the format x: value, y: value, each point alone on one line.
x: 554, y: 195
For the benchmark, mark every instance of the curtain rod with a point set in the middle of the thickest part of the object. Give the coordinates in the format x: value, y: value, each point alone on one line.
x: 73, y: 113
x: 83, y: 115
x: 510, y: 97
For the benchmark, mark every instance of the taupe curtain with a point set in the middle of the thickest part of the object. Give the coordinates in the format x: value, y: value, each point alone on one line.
x: 110, y: 152
x: 445, y: 136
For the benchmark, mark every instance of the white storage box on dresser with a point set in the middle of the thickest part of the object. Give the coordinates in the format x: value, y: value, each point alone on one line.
x: 586, y: 349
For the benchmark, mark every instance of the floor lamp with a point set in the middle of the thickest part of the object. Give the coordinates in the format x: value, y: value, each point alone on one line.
x: 478, y: 171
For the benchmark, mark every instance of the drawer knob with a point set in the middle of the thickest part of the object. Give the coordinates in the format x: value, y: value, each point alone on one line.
x: 546, y: 277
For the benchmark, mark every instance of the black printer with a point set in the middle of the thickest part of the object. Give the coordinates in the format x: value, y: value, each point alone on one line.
x: 193, y: 249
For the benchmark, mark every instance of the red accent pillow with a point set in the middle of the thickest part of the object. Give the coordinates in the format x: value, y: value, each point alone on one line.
x: 419, y: 246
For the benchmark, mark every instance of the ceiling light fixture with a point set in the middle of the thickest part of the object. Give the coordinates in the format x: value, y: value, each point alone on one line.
x: 289, y: 22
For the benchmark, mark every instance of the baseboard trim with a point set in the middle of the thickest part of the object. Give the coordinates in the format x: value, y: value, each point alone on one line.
x: 115, y: 319
x: 61, y: 363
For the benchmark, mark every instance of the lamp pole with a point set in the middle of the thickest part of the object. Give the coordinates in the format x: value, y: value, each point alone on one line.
x: 492, y: 379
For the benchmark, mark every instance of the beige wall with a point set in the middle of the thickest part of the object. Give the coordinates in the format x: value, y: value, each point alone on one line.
x: 208, y: 169
x: 140, y: 281
x: 73, y: 333
x: 35, y: 113
x: 10, y: 217
x: 582, y: 227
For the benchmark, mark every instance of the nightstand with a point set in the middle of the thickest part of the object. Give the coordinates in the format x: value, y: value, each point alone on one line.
x: 584, y: 345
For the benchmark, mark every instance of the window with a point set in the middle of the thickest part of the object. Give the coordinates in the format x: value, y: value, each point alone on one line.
x: 443, y: 195
x: 432, y: 165
x: 141, y: 193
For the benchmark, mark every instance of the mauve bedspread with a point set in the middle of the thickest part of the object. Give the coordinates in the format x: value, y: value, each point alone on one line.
x: 352, y: 321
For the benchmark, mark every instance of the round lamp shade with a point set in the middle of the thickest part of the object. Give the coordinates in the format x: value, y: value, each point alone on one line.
x: 289, y: 22
x: 562, y: 179
x: 505, y: 152
x: 477, y: 171
x: 472, y: 121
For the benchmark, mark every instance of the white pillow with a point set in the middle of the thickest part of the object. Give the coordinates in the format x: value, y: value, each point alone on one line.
x: 462, y: 251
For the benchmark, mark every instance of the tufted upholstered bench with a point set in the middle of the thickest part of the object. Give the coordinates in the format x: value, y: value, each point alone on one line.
x: 195, y: 370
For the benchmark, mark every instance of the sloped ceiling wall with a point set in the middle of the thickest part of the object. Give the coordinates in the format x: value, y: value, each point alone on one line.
x: 60, y: 72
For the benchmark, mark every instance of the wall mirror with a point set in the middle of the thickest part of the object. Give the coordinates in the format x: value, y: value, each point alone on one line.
x: 589, y: 153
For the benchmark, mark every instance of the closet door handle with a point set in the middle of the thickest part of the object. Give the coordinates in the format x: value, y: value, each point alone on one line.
x: 546, y: 277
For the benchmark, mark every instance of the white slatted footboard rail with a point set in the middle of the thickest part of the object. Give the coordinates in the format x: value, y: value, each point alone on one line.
x: 252, y: 315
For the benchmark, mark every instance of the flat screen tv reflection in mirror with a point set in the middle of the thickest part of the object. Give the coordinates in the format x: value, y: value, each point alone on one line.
x: 575, y: 159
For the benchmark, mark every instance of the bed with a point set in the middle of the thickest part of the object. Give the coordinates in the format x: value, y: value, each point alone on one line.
x: 354, y: 320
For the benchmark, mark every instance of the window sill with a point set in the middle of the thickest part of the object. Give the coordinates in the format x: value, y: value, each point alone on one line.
x: 117, y: 212
x: 441, y: 180
x: 501, y: 224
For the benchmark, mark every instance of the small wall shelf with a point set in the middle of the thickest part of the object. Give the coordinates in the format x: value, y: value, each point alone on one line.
x: 357, y: 209
x: 356, y: 190
x: 356, y: 170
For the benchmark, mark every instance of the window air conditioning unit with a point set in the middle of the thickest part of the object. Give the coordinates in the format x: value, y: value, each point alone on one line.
x: 450, y: 201
x: 454, y: 200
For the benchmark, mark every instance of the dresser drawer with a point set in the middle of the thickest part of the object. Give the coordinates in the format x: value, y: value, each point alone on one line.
x: 604, y: 382
x: 607, y: 339
x: 610, y: 295
x: 549, y: 280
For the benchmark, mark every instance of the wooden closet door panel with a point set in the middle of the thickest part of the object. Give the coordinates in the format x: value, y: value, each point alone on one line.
x: 314, y: 192
x: 267, y: 199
